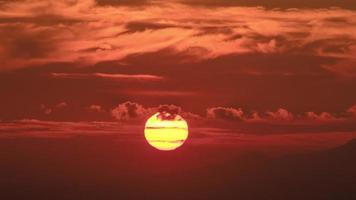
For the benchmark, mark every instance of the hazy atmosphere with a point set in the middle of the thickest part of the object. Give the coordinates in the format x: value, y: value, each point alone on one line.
x: 247, y: 99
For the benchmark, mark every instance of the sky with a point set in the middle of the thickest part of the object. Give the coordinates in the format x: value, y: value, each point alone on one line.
x: 267, y: 88
x: 253, y: 66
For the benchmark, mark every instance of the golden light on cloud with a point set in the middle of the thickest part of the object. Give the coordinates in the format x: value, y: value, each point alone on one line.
x: 165, y: 131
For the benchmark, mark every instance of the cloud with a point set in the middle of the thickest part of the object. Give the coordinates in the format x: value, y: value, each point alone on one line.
x: 280, y: 121
x: 324, y: 116
x: 139, y: 77
x: 96, y: 108
x: 129, y: 110
x: 89, y: 32
x: 269, y: 47
x: 255, y: 117
x: 122, y: 2
x: 32, y: 128
x: 61, y: 105
x: 141, y: 26
x: 191, y: 116
x: 134, y: 111
x: 45, y: 109
x: 352, y: 110
x: 172, y: 109
x: 53, y: 129
x: 224, y: 113
x: 157, y: 92
x: 348, y: 4
x: 169, y: 51
x: 50, y: 109
x: 168, y: 112
x: 280, y: 115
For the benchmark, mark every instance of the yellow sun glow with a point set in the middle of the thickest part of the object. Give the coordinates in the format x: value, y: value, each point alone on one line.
x: 165, y: 131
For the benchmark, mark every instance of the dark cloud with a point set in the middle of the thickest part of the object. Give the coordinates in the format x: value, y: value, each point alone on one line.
x: 171, y: 109
x: 20, y: 44
x: 240, y: 78
x: 41, y: 20
x: 225, y: 113
x: 345, y: 67
x: 122, y: 2
x: 347, y: 4
x: 134, y: 111
x: 340, y: 45
x: 139, y: 26
x: 168, y: 112
x: 7, y: 1
x: 292, y: 63
x: 129, y: 110
x: 227, y: 30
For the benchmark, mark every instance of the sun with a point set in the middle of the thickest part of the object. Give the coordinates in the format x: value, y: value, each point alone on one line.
x: 165, y: 131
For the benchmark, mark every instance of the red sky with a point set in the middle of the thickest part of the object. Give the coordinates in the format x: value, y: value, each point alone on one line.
x: 267, y: 88
x: 254, y: 66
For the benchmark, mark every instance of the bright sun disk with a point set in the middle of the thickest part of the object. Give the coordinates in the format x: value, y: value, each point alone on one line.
x: 166, y: 131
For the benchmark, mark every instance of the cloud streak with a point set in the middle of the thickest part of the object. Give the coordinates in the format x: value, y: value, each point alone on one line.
x: 52, y: 129
x: 144, y: 77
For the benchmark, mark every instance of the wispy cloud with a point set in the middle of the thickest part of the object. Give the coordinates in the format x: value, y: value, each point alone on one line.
x: 50, y: 109
x: 146, y: 77
x: 86, y: 32
x: 52, y: 129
